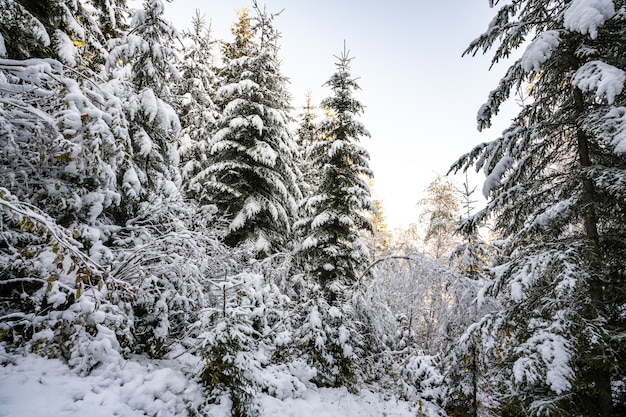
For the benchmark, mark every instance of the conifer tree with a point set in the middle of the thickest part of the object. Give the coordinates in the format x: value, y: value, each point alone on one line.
x: 555, y: 186
x: 154, y: 218
x: 74, y: 32
x: 340, y: 206
x: 306, y: 135
x: 142, y: 68
x: 197, y: 110
x: 331, y: 249
x: 254, y: 174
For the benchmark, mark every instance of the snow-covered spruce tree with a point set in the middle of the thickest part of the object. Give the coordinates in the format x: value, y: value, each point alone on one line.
x: 197, y: 112
x: 142, y: 70
x: 331, y: 250
x: 340, y: 206
x: 556, y: 188
x: 462, y: 359
x: 306, y: 134
x: 154, y: 218
x: 237, y: 338
x: 254, y: 173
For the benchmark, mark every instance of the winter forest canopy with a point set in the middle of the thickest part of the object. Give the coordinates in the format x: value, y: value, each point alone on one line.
x: 176, y: 235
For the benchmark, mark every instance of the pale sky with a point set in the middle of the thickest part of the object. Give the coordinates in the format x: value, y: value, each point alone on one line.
x: 420, y: 96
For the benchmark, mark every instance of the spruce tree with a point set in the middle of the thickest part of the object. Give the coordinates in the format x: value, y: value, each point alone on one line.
x: 305, y: 136
x: 340, y: 207
x: 197, y: 110
x: 74, y: 32
x: 142, y: 69
x: 155, y: 220
x: 331, y: 250
x: 555, y: 182
x: 254, y: 174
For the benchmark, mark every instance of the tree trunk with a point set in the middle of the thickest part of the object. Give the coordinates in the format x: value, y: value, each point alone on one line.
x: 596, y: 375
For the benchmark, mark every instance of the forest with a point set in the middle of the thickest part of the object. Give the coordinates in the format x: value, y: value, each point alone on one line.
x: 177, y: 240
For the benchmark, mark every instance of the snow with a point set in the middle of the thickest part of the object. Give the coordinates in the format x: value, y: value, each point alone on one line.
x: 606, y: 80
x: 493, y: 179
x: 320, y: 220
x: 131, y: 182
x: 586, y: 16
x: 539, y: 50
x: 549, y: 350
x: 65, y: 48
x: 37, y: 387
x: 3, y: 48
x: 616, y: 119
x: 336, y: 146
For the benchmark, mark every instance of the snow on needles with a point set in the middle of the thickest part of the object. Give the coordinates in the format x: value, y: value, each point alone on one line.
x: 539, y: 50
x: 493, y: 179
x: 606, y: 80
x: 586, y: 16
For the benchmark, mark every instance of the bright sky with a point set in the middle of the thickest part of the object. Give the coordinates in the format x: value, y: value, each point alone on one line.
x: 420, y: 96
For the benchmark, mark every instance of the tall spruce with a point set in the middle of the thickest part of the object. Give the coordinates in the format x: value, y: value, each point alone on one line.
x: 197, y: 109
x: 341, y: 205
x: 556, y: 188
x: 142, y: 68
x: 254, y: 175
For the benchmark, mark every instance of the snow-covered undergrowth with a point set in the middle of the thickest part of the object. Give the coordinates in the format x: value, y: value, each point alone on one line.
x: 38, y: 387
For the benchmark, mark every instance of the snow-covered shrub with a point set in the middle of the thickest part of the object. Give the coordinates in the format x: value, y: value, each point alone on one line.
x: 168, y: 266
x: 57, y: 301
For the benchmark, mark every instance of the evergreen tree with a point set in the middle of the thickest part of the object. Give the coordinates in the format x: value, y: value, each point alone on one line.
x: 254, y: 174
x: 341, y: 205
x: 74, y: 32
x: 555, y: 186
x: 463, y: 364
x: 331, y: 250
x: 142, y: 67
x: 306, y: 135
x: 156, y: 224
x: 197, y: 110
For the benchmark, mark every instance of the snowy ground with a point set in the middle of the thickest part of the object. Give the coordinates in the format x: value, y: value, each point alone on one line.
x: 32, y: 386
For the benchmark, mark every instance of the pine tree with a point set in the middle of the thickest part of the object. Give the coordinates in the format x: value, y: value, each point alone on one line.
x: 555, y: 183
x: 340, y: 206
x: 254, y: 174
